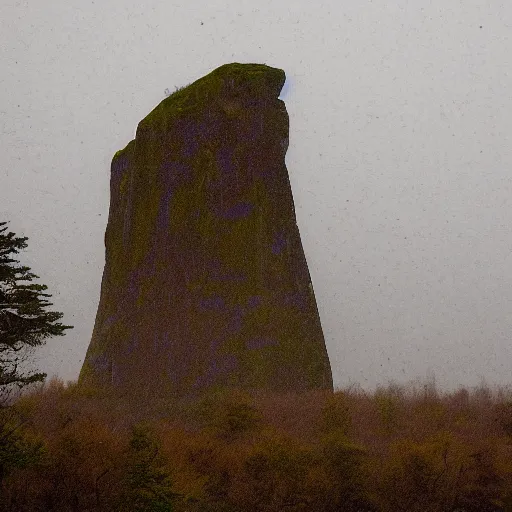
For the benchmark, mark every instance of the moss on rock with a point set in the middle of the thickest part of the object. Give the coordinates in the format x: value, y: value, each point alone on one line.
x: 205, y: 271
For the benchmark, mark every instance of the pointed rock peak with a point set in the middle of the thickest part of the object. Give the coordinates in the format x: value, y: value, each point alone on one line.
x: 206, y: 284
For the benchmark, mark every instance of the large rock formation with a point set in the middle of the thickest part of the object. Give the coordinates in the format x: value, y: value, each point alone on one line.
x: 205, y: 282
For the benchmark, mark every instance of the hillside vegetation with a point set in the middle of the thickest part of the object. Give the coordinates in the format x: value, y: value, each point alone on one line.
x: 66, y: 448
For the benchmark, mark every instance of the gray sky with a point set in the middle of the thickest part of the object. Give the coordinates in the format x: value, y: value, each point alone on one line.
x: 400, y: 160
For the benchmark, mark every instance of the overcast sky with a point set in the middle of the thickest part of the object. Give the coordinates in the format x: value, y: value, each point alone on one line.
x: 399, y: 159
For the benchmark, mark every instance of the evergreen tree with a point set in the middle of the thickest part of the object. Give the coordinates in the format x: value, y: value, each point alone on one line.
x: 148, y: 485
x: 24, y: 321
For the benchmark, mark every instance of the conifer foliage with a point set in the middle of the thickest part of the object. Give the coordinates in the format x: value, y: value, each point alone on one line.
x: 148, y: 484
x: 24, y: 321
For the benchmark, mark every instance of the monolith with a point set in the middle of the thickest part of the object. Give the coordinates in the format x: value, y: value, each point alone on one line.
x: 205, y: 282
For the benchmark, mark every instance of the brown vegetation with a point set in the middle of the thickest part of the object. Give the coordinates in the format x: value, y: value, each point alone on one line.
x: 65, y: 448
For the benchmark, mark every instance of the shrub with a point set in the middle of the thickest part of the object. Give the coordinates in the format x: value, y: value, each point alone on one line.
x: 388, y: 407
x: 19, y: 447
x: 346, y: 472
x: 335, y: 415
x: 229, y: 415
x: 274, y: 474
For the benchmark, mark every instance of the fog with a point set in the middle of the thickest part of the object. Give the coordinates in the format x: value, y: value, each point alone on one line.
x: 399, y: 161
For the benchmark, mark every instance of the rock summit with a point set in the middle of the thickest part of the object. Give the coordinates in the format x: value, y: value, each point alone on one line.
x: 205, y: 282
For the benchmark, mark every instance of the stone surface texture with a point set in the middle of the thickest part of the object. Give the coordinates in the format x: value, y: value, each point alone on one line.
x: 205, y: 284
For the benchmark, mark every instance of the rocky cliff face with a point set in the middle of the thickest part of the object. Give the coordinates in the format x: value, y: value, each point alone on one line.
x: 205, y: 282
